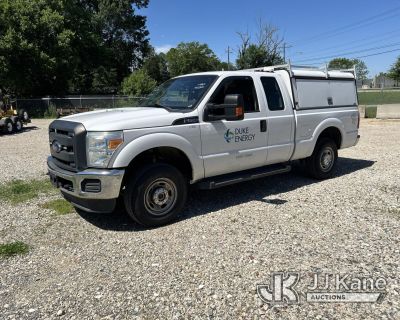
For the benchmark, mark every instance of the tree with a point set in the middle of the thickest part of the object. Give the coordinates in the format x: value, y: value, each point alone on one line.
x: 345, y: 63
x: 361, y: 70
x: 191, y: 57
x: 105, y: 80
x: 265, y: 51
x: 224, y: 66
x: 394, y: 71
x: 137, y: 84
x: 57, y: 46
x: 156, y: 67
x: 341, y: 63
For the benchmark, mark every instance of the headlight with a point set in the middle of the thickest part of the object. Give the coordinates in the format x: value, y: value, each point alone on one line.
x: 101, y: 146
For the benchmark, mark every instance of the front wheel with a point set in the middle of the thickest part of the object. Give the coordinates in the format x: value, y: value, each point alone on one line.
x: 8, y: 126
x: 156, y: 195
x: 322, y: 162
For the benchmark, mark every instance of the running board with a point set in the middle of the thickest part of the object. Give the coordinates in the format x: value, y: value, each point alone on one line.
x: 241, y: 176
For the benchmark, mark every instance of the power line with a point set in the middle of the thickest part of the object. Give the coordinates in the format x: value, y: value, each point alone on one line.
x: 359, y: 57
x: 388, y: 35
x: 388, y: 14
x: 350, y: 53
x: 377, y: 54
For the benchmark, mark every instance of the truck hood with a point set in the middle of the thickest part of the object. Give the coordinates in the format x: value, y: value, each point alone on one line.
x: 125, y: 118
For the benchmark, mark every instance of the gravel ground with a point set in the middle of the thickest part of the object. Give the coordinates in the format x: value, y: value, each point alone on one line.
x: 207, y: 265
x: 23, y: 155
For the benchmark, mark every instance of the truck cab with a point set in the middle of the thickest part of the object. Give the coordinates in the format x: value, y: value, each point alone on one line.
x: 207, y: 129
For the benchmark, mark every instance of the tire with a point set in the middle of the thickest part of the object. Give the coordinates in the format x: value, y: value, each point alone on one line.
x: 8, y: 126
x: 23, y: 114
x: 18, y: 125
x: 321, y: 164
x: 156, y: 195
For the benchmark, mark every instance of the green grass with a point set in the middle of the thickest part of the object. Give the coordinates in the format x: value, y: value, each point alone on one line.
x: 59, y: 206
x: 18, y: 191
x: 13, y: 248
x: 378, y: 97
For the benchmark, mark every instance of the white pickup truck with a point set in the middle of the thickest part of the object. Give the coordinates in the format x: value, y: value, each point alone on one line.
x: 211, y: 129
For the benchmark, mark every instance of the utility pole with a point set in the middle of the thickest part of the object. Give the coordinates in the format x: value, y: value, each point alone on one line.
x: 285, y: 46
x: 229, y: 51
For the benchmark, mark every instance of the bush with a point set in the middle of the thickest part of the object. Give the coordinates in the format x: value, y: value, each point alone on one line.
x: 51, y: 111
x: 139, y: 83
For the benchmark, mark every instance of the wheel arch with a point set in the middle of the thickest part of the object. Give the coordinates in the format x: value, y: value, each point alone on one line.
x: 330, y: 128
x: 163, y: 147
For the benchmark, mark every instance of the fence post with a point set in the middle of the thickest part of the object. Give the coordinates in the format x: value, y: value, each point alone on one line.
x: 113, y: 100
x: 80, y: 102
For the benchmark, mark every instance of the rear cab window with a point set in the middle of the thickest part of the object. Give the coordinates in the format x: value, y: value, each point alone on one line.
x: 273, y: 94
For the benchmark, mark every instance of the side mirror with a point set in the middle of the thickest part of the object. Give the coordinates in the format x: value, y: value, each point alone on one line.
x: 231, y: 110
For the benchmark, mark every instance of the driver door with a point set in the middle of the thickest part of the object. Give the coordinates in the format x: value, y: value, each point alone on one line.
x: 229, y: 146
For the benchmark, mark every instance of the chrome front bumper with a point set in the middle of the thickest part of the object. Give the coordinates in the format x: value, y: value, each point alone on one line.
x: 110, y: 179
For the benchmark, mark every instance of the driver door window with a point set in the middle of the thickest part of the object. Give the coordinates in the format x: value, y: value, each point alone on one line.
x: 238, y: 85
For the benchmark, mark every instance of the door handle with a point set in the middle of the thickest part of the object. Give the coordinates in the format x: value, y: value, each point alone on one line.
x: 263, y: 125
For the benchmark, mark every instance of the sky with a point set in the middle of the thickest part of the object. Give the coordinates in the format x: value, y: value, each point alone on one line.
x: 315, y: 31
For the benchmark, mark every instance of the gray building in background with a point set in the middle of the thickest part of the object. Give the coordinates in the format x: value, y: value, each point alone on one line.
x: 383, y: 81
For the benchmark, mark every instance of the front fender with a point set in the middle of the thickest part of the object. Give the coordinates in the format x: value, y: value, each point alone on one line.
x: 154, y: 140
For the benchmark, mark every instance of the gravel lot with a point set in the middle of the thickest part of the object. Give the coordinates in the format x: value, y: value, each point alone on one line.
x: 207, y: 265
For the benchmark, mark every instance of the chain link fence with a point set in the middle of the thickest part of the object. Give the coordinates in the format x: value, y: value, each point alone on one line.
x: 51, y: 107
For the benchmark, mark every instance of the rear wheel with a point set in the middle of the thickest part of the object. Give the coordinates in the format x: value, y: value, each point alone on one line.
x: 18, y: 125
x: 322, y: 162
x: 23, y: 114
x: 156, y: 195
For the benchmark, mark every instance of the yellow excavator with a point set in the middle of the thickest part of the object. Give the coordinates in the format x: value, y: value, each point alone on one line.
x: 11, y: 120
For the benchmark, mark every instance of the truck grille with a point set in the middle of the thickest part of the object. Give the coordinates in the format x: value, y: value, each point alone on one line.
x: 68, y: 144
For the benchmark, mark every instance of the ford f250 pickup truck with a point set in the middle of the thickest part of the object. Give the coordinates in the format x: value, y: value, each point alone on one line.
x: 211, y: 129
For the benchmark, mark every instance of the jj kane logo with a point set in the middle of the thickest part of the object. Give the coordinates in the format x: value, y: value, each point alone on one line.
x: 239, y: 135
x: 323, y: 288
x: 281, y: 290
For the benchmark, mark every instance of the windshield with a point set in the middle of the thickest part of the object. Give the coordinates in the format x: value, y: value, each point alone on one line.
x: 179, y: 93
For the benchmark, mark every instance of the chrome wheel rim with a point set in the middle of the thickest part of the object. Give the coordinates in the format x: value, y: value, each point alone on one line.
x: 327, y: 159
x: 18, y: 125
x: 9, y: 127
x: 160, y: 196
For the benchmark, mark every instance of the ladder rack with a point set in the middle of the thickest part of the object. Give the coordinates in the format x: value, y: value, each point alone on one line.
x: 289, y: 67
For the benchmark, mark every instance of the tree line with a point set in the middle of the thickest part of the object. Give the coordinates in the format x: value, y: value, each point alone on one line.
x: 59, y: 47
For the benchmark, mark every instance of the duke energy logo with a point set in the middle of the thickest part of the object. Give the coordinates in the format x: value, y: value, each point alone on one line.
x: 228, y: 135
x: 239, y: 135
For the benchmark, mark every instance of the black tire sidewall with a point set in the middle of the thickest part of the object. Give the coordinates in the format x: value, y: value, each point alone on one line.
x: 16, y: 125
x: 314, y: 163
x: 21, y: 114
x: 6, y: 126
x: 135, y: 192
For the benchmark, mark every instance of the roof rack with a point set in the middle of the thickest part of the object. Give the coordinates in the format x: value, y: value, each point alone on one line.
x: 290, y: 67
